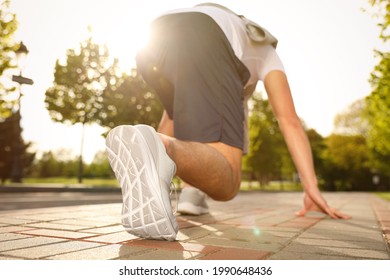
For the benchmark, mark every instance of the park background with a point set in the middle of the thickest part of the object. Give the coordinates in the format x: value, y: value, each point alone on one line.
x: 81, y: 59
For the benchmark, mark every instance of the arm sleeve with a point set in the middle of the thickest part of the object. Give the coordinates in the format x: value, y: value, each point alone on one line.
x: 271, y: 61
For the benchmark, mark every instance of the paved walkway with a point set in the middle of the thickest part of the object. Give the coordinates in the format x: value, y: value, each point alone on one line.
x: 253, y: 226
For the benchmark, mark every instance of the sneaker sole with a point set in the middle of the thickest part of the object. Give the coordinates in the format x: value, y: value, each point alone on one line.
x: 143, y: 211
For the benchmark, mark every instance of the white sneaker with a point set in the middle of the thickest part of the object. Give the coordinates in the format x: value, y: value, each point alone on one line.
x: 192, y: 201
x: 144, y: 172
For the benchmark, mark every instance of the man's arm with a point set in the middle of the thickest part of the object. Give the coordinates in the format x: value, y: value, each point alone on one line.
x: 282, y: 104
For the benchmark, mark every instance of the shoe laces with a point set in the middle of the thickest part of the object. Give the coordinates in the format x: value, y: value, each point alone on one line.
x: 173, y: 189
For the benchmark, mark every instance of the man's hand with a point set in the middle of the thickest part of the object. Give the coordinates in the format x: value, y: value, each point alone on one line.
x: 280, y: 98
x: 310, y: 205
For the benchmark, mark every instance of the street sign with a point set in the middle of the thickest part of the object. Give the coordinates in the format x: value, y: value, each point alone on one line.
x: 22, y: 80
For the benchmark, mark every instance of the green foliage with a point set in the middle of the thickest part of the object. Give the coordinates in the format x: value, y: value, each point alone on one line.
x: 378, y: 102
x: 76, y: 95
x: 346, y: 163
x: 268, y: 155
x: 130, y: 101
x: 318, y: 146
x: 90, y: 88
x: 383, y: 12
x: 6, y: 148
x: 99, y: 167
x: 342, y: 162
x: 8, y: 26
x: 48, y: 166
x: 51, y: 164
x: 353, y: 121
x: 13, y: 147
x: 378, y: 113
x: 385, y: 196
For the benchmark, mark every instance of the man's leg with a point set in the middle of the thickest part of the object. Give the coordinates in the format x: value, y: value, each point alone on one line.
x: 214, y: 168
x: 200, y: 83
x: 166, y: 125
x: 192, y: 201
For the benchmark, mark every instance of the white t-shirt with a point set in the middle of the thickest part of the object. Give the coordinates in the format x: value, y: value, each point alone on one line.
x: 259, y: 59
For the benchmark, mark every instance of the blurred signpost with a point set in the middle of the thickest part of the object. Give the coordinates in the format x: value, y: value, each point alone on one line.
x: 18, y: 150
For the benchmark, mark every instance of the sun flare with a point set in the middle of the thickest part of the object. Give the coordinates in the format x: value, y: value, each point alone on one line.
x: 123, y: 35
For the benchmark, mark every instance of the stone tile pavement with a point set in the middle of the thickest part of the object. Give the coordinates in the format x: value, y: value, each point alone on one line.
x: 254, y: 225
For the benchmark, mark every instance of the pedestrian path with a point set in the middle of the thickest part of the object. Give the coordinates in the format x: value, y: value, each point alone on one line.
x: 254, y: 225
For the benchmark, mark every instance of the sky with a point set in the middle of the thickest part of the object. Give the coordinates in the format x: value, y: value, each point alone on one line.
x: 327, y: 48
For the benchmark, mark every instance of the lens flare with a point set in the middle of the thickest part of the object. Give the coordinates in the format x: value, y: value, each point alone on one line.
x: 256, y: 231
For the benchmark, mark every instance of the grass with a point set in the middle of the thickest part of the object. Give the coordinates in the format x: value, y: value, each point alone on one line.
x: 384, y: 195
x: 272, y: 186
x: 111, y: 182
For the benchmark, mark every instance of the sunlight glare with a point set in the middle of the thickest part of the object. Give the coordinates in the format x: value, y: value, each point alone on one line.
x: 124, y: 31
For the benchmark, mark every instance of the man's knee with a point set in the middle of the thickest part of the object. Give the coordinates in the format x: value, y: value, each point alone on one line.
x: 229, y: 183
x: 227, y: 190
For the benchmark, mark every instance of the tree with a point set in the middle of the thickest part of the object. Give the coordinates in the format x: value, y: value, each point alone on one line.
x: 347, y: 163
x: 8, y: 26
x: 12, y: 146
x: 129, y: 100
x: 99, y: 167
x: 265, y: 158
x: 14, y: 157
x: 318, y: 146
x: 91, y: 88
x: 383, y: 11
x: 378, y: 102
x: 352, y: 121
x: 54, y: 164
x: 76, y: 95
x: 48, y: 166
x: 378, y: 113
x: 6, y: 156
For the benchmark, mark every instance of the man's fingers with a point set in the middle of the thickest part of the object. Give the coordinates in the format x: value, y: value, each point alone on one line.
x: 333, y: 213
x: 301, y: 212
x: 310, y: 205
x: 342, y: 215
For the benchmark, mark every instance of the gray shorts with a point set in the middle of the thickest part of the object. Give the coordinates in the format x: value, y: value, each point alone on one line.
x: 193, y: 69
